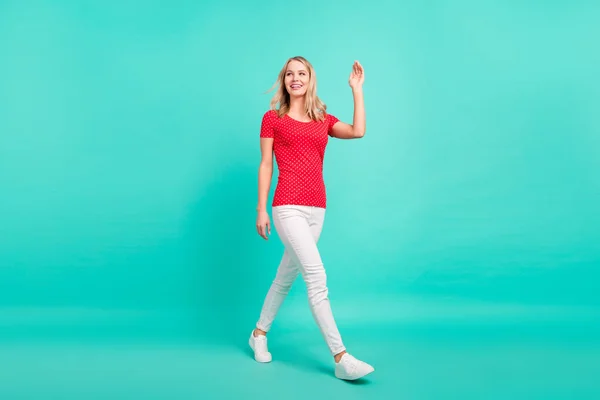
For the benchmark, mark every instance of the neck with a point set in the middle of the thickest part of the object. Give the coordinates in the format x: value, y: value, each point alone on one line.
x: 297, y: 105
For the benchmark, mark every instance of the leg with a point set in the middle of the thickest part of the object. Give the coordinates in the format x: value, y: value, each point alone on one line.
x: 287, y: 272
x: 297, y: 227
x: 284, y: 279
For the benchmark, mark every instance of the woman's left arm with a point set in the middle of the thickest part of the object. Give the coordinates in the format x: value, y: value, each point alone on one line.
x: 342, y: 130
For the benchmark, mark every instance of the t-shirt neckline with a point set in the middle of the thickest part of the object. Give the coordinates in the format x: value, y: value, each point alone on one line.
x: 295, y: 120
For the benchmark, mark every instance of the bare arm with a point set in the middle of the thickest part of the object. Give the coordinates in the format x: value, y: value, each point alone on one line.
x: 357, y: 129
x: 265, y: 174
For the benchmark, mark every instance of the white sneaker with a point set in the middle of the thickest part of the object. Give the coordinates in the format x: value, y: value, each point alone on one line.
x: 349, y: 368
x: 260, y: 348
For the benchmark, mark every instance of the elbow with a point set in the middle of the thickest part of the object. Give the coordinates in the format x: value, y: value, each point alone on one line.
x: 266, y: 166
x: 359, y: 133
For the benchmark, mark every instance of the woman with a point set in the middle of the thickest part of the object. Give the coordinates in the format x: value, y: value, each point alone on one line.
x: 298, y: 132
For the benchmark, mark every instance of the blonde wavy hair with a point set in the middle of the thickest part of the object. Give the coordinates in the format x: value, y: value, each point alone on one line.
x: 314, y: 107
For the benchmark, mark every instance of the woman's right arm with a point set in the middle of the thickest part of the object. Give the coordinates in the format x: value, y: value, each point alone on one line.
x: 265, y: 174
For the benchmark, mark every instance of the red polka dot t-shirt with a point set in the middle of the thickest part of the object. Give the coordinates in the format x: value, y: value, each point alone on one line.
x: 299, y: 149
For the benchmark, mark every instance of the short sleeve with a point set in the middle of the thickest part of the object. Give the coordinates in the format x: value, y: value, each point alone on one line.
x: 331, y: 120
x: 267, y: 125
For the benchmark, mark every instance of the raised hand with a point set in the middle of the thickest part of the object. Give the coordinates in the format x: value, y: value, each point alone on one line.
x: 357, y: 76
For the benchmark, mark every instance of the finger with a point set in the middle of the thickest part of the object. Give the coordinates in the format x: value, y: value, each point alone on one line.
x: 265, y: 228
x: 269, y: 227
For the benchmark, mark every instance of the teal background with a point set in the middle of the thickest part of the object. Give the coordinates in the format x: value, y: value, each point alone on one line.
x: 462, y: 233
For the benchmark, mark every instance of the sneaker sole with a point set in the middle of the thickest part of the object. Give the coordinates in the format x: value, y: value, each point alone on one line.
x: 352, y: 378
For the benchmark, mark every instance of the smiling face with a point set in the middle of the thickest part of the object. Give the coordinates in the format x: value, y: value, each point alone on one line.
x: 297, y: 78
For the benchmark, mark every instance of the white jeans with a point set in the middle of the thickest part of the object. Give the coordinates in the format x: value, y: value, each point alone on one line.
x: 299, y: 228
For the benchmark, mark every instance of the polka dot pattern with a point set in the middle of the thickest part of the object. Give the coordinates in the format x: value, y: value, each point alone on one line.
x: 299, y: 149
